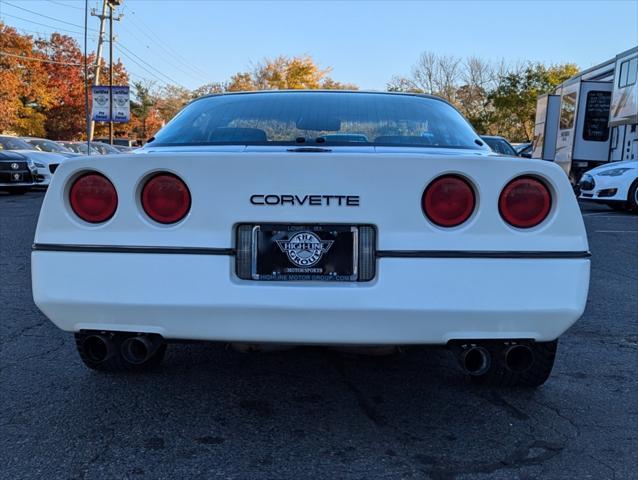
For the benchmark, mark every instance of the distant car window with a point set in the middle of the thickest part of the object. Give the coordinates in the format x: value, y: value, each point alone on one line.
x: 104, y: 148
x: 500, y: 146
x: 12, y: 143
x: 567, y: 110
x: 47, y: 145
x: 76, y: 147
x: 319, y: 118
x: 596, y: 128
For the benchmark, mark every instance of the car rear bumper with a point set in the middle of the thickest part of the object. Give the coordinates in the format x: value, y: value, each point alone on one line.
x: 411, y: 300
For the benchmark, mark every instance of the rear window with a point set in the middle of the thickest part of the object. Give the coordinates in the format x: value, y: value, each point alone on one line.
x: 319, y: 118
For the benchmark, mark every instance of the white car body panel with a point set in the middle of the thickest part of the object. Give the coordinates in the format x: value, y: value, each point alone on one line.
x: 605, y: 182
x: 43, y: 158
x: 410, y: 300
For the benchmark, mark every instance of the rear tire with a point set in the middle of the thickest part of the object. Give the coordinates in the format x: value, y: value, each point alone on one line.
x: 116, y: 362
x: 500, y: 376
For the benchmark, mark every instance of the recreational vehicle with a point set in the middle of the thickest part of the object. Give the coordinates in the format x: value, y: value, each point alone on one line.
x: 591, y: 118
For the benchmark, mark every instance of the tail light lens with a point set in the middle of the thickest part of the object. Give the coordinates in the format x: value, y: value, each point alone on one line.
x: 93, y: 198
x: 448, y: 201
x: 165, y: 198
x: 525, y: 202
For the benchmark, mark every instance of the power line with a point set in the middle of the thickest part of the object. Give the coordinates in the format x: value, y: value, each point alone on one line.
x: 62, y: 4
x: 151, y: 35
x: 43, y: 60
x: 45, y: 16
x: 148, y: 64
x: 142, y: 67
x: 41, y: 34
x: 166, y: 59
x: 42, y: 24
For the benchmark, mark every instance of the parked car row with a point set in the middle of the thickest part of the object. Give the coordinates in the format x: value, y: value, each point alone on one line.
x: 27, y: 162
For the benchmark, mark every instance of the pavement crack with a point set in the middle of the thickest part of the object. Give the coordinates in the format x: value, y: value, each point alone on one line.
x: 557, y: 412
x: 365, y: 406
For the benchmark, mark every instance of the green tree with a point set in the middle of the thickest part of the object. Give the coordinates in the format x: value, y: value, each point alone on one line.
x: 142, y: 109
x: 514, y: 99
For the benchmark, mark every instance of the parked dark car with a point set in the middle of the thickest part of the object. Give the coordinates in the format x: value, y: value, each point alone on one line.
x: 17, y: 173
x: 500, y: 145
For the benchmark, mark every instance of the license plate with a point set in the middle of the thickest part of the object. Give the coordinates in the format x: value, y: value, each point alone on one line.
x: 305, y: 252
x: 16, y: 177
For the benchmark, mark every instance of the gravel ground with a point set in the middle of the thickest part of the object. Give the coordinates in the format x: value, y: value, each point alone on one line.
x: 211, y: 412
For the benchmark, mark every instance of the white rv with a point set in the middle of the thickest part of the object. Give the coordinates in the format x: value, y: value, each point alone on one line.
x: 591, y: 118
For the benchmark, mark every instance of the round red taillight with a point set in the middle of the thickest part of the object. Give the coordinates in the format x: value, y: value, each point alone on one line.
x: 93, y: 198
x: 165, y: 198
x: 525, y: 202
x: 448, y: 201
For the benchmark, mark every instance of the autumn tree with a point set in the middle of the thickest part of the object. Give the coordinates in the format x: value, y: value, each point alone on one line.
x: 65, y: 115
x: 24, y: 94
x: 171, y: 99
x: 285, y: 73
x: 208, y: 89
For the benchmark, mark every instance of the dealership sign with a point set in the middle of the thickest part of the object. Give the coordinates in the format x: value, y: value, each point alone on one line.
x: 121, y: 104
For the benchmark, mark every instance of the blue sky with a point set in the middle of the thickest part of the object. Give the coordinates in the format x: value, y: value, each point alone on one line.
x: 192, y: 42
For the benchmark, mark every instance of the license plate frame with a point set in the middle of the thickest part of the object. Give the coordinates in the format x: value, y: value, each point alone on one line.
x: 309, y: 252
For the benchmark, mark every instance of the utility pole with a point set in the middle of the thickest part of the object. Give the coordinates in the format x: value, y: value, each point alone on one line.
x: 98, y: 57
x: 110, y: 4
x: 111, y: 73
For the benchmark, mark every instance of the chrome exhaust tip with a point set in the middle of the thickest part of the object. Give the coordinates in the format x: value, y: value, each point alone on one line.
x: 139, y: 349
x: 97, y: 348
x: 518, y: 358
x: 475, y: 360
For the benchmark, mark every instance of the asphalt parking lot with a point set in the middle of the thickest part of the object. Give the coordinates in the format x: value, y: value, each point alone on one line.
x: 211, y: 412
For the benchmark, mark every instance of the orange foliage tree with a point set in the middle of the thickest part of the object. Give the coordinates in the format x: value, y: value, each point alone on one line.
x: 24, y: 94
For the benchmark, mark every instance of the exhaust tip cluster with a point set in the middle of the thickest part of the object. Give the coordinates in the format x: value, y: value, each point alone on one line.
x: 477, y: 359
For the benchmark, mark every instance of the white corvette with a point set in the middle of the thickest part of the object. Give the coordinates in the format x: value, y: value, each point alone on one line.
x: 614, y: 184
x: 339, y: 218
